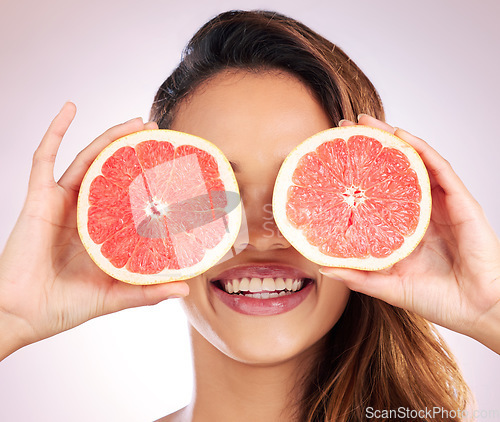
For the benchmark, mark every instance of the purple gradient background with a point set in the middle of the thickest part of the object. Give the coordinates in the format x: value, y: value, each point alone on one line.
x: 435, y: 64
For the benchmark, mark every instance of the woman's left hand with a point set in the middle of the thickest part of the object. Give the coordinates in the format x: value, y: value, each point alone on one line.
x: 452, y: 278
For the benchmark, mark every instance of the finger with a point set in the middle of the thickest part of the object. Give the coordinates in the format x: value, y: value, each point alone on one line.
x: 366, y: 120
x: 151, y: 126
x: 439, y: 169
x: 345, y: 122
x: 72, y: 177
x: 42, y: 170
x: 377, y: 284
x: 122, y: 295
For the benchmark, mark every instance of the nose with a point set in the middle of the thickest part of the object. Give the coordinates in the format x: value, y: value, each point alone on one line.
x: 259, y: 231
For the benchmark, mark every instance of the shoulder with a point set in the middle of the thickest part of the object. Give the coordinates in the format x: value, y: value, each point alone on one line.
x: 180, y: 416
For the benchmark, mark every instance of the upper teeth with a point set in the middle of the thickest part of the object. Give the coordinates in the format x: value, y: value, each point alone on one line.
x: 267, y: 284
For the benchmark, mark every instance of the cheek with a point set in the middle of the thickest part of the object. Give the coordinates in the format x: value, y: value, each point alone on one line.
x: 196, y: 305
x: 332, y: 301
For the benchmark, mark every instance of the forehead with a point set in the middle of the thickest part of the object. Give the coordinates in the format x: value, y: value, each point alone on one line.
x: 257, y: 116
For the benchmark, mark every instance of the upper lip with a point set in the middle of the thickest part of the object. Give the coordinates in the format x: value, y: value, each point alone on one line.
x: 262, y: 270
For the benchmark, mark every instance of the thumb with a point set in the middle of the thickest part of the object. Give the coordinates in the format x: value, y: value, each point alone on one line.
x: 378, y: 284
x: 122, y: 295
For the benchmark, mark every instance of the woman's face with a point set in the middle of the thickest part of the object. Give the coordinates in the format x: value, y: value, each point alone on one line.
x: 256, y: 119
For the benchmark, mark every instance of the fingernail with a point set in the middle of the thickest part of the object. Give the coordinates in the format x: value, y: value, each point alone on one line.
x: 341, y: 122
x: 135, y: 118
x: 330, y: 274
x: 361, y: 115
x: 176, y: 297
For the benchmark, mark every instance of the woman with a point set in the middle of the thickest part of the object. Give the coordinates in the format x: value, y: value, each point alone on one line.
x: 256, y: 84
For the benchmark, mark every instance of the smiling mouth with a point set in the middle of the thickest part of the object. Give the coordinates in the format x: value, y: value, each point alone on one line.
x: 262, y: 288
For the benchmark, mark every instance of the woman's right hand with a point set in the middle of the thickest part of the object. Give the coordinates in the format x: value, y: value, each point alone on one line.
x: 48, y: 283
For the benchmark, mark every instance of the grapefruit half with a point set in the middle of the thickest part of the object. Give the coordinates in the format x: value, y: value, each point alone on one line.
x: 158, y: 206
x: 353, y: 196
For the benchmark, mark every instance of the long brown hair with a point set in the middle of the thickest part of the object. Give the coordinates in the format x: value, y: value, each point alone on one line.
x: 377, y: 357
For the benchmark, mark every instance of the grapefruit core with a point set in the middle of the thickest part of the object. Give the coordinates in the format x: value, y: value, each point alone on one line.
x: 353, y: 196
x: 158, y: 206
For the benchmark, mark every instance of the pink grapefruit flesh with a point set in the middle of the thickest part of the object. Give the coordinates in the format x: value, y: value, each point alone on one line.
x: 153, y: 207
x: 355, y: 197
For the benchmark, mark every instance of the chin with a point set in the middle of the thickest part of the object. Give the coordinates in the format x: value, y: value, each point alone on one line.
x: 266, y: 347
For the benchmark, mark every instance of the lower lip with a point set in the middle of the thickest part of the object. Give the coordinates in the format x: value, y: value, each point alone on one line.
x: 263, y: 307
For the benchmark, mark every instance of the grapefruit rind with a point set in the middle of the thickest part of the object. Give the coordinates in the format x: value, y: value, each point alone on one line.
x: 296, y: 237
x: 211, y: 257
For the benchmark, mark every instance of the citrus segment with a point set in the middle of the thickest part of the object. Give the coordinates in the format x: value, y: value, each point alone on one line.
x: 119, y: 247
x: 353, y: 197
x: 208, y: 165
x: 122, y: 167
x: 105, y: 193
x: 312, y: 170
x: 336, y: 156
x: 153, y: 153
x: 153, y: 207
x: 106, y: 220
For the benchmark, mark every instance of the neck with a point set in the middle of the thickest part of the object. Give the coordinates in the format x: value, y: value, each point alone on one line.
x: 227, y: 390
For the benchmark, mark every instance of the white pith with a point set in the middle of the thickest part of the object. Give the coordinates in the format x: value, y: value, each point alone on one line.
x: 212, y: 256
x: 296, y: 237
x: 259, y: 285
x: 354, y: 196
x: 156, y: 207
